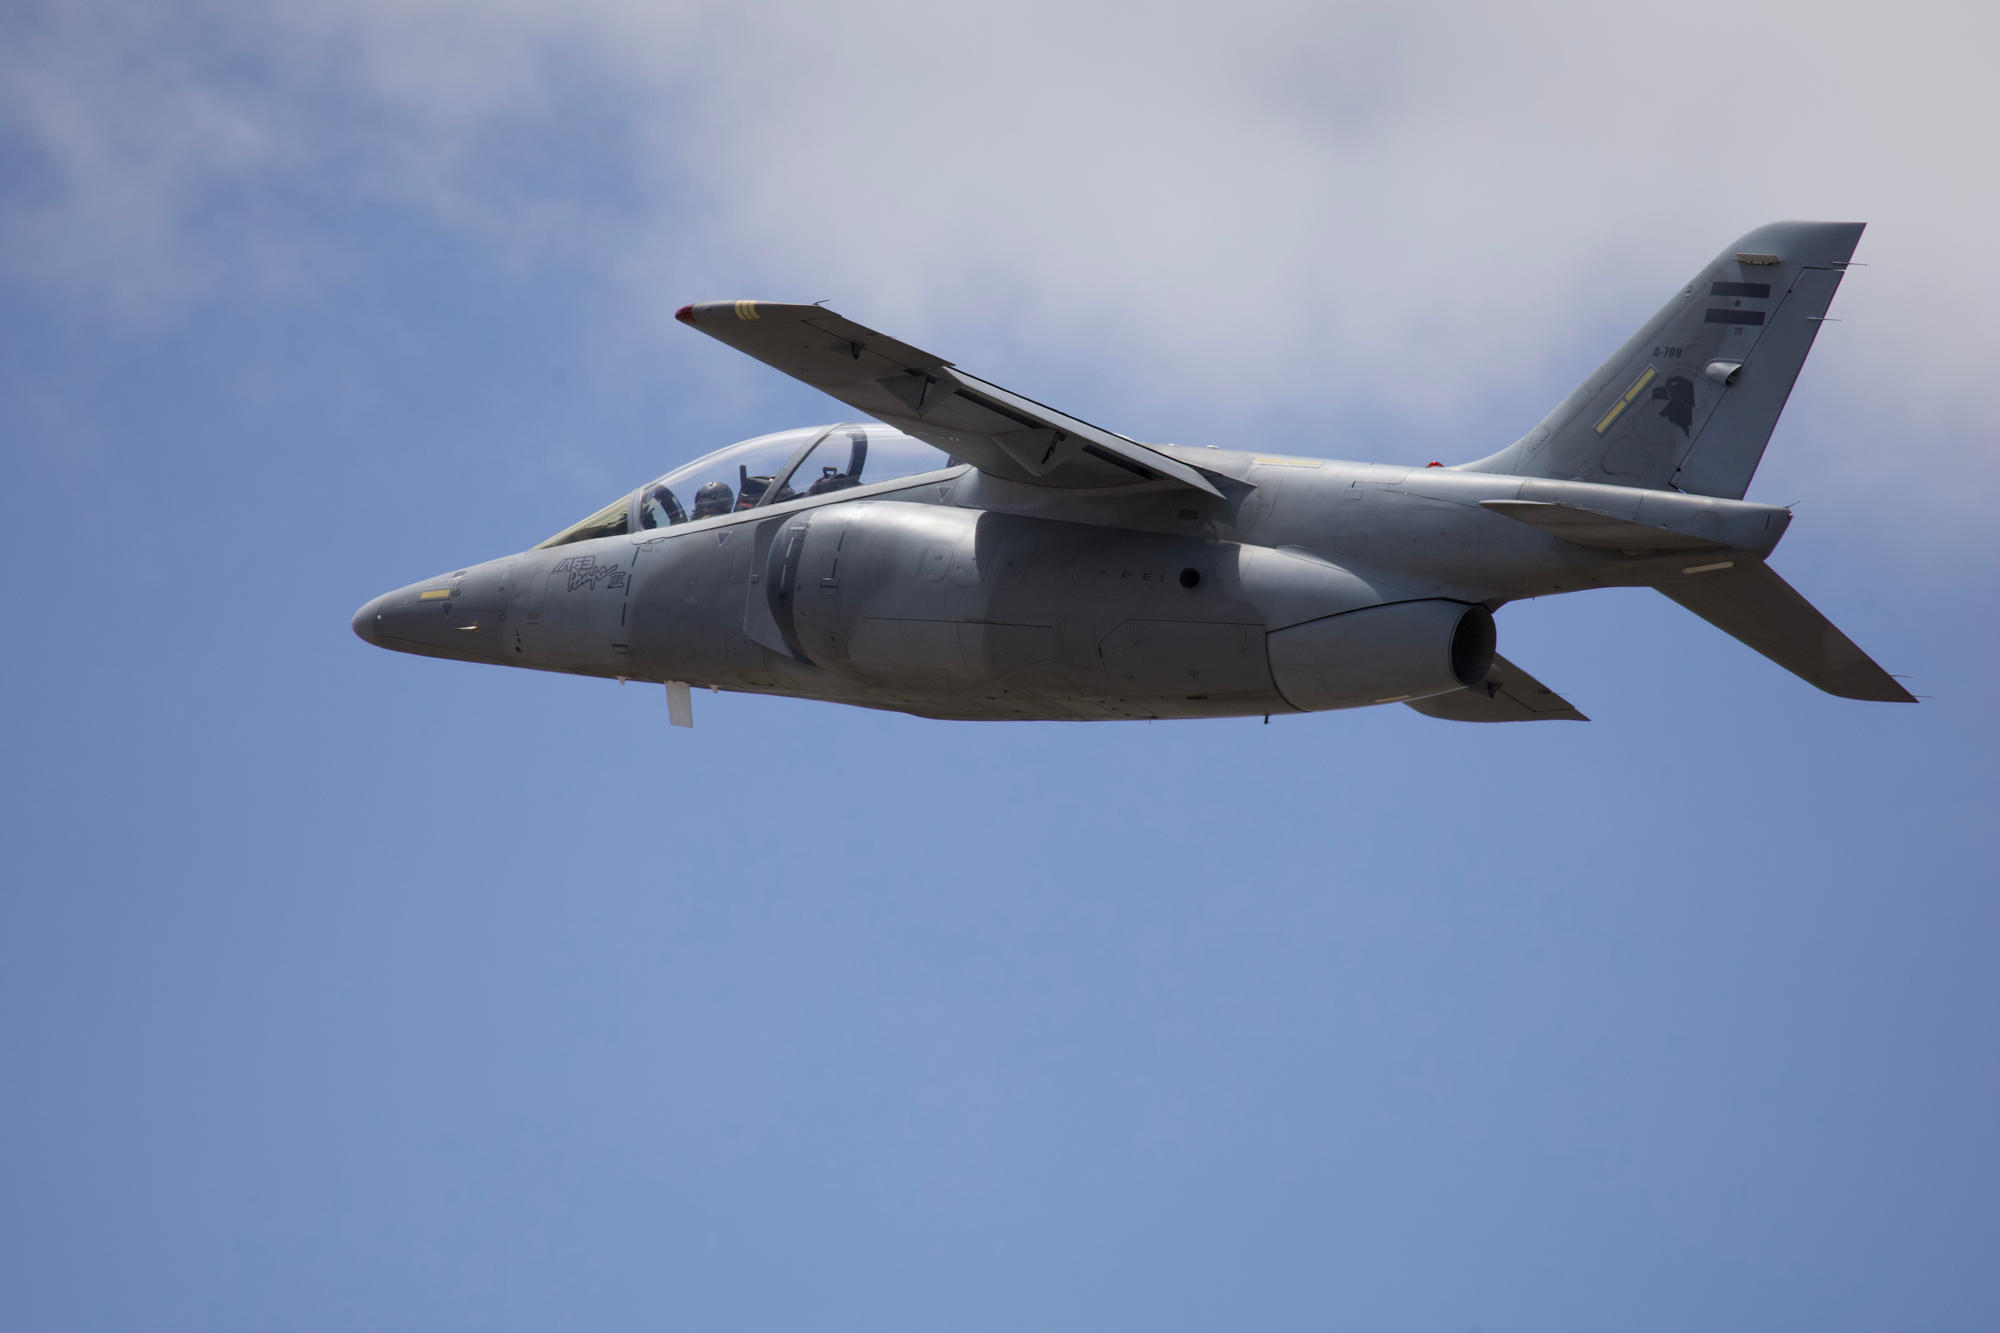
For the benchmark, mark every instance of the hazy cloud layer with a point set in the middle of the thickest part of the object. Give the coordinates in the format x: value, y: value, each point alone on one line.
x: 1408, y: 214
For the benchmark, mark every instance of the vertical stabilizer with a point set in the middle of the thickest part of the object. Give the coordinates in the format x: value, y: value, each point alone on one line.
x: 1690, y: 401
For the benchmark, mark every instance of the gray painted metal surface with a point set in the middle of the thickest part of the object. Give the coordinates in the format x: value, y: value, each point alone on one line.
x: 984, y: 556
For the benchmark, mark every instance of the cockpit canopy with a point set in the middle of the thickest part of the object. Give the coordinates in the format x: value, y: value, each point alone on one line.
x: 769, y: 470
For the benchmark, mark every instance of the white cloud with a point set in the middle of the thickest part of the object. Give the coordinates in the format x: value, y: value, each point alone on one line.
x: 1407, y: 213
x: 128, y: 135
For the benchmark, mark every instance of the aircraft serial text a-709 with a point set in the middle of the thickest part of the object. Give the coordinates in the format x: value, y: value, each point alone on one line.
x: 970, y: 553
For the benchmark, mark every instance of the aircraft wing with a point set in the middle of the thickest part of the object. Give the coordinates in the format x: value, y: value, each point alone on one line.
x: 996, y: 431
x: 1508, y: 694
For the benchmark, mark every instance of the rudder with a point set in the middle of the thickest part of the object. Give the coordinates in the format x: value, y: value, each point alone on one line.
x: 1689, y: 402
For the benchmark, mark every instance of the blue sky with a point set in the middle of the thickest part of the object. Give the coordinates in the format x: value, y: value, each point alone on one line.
x: 340, y: 988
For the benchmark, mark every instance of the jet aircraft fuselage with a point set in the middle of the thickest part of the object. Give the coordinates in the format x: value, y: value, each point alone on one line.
x: 983, y: 556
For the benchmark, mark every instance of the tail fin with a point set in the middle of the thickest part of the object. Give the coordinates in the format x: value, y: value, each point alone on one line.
x: 1753, y: 605
x: 1689, y: 402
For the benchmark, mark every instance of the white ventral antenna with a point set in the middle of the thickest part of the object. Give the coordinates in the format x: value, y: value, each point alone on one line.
x: 680, y: 704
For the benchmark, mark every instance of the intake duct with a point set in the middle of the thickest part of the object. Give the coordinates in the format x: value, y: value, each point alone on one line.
x: 1383, y: 654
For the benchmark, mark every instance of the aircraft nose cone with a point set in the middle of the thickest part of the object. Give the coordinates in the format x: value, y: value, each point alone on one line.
x: 456, y: 615
x: 367, y: 622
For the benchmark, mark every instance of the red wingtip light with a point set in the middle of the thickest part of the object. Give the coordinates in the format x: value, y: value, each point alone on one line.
x: 685, y: 314
x: 1434, y: 463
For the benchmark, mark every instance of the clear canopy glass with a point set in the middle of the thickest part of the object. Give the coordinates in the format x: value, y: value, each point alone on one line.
x: 769, y: 470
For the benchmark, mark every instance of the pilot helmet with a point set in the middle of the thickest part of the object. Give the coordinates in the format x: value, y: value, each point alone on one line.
x: 714, y: 497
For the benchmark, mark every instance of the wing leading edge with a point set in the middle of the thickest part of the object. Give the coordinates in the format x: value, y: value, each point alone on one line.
x: 997, y: 431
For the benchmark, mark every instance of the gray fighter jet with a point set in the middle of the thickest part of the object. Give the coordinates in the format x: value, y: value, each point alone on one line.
x: 970, y: 553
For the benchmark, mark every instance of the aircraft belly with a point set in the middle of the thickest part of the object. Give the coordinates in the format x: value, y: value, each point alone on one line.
x: 1186, y: 658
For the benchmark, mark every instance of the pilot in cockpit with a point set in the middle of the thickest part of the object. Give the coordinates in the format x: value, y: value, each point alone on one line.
x: 713, y: 498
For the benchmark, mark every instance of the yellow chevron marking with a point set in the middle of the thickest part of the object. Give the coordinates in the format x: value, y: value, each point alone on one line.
x: 746, y: 310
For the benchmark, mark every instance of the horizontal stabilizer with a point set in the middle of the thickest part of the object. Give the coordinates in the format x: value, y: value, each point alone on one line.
x: 1508, y: 694
x: 1587, y: 527
x: 1753, y: 605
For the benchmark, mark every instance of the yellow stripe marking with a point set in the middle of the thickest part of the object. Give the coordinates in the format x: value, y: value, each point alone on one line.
x: 434, y: 595
x: 1638, y: 386
x: 746, y: 310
